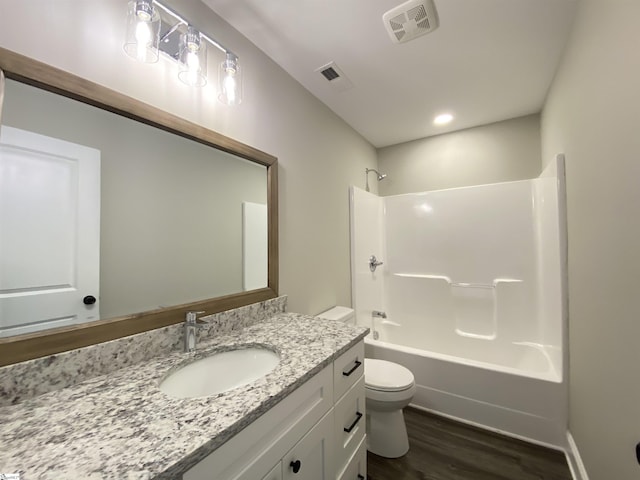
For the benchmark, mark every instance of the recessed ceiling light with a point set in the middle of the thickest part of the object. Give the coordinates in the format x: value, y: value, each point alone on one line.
x: 443, y: 119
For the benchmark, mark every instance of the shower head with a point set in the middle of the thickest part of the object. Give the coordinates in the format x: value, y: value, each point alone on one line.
x: 381, y: 176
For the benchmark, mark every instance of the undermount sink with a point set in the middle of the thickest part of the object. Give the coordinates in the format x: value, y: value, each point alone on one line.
x: 220, y: 372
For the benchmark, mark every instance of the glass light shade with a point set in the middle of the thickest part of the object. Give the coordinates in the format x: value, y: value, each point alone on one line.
x: 230, y: 81
x: 193, y: 59
x: 143, y: 31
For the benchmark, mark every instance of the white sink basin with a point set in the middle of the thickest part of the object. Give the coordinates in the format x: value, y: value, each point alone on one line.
x: 220, y: 372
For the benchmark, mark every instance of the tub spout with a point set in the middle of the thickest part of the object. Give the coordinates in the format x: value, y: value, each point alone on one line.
x: 378, y: 314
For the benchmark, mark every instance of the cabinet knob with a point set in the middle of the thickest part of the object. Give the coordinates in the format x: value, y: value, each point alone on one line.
x: 296, y: 466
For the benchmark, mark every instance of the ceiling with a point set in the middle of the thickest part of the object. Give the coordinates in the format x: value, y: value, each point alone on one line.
x: 489, y: 60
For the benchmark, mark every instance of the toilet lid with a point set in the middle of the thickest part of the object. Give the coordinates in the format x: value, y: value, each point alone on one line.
x: 386, y: 376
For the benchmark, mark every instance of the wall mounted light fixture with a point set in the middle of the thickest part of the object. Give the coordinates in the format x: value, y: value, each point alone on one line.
x: 152, y: 27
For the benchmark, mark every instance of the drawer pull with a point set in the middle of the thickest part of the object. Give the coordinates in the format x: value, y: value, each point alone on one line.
x: 357, y: 364
x: 360, y: 477
x: 355, y: 422
x: 295, y: 466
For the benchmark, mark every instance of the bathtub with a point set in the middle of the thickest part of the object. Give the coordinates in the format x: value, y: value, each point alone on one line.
x: 516, y: 390
x: 473, y: 286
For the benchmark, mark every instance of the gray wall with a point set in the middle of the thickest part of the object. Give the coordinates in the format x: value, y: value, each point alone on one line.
x: 498, y: 152
x: 592, y: 114
x: 318, y: 154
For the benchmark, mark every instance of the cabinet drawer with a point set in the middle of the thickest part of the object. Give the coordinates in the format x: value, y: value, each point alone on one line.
x: 347, y: 369
x: 356, y: 469
x: 350, y: 423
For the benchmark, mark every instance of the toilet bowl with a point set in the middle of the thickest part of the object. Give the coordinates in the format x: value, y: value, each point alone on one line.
x: 389, y: 388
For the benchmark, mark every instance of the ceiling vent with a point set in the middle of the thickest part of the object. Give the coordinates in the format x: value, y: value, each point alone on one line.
x: 411, y: 20
x: 336, y: 77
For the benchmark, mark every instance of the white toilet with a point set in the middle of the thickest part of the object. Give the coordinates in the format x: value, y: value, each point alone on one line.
x: 389, y: 388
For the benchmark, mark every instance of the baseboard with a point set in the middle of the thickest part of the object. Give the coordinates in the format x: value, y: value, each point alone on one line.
x: 483, y: 426
x: 531, y: 428
x: 574, y: 460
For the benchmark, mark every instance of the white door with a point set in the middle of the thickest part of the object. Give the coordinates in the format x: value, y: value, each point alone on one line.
x: 49, y: 232
x: 255, y: 246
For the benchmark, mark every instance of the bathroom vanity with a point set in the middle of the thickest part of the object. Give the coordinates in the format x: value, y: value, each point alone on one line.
x: 317, y: 432
x: 305, y: 419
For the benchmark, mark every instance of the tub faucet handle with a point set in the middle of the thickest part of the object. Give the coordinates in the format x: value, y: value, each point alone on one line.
x: 374, y: 263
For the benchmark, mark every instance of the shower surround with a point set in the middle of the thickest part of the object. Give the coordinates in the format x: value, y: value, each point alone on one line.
x: 472, y: 283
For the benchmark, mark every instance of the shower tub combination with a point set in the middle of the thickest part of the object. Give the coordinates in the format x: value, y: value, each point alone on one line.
x: 471, y: 281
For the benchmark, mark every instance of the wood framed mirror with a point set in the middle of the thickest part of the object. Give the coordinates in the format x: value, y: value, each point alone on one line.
x: 27, y: 346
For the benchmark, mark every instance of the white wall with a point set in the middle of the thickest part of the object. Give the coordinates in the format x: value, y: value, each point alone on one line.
x: 319, y: 155
x: 498, y: 152
x: 592, y: 114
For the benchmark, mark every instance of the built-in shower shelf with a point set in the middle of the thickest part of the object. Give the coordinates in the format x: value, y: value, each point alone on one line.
x: 494, y: 284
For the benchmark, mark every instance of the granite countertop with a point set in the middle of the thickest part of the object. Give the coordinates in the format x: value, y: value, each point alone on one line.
x: 121, y: 426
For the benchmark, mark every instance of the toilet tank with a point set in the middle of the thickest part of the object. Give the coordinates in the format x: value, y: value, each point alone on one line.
x: 342, y: 314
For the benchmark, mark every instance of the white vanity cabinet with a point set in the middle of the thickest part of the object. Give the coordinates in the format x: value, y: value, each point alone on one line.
x: 303, y: 437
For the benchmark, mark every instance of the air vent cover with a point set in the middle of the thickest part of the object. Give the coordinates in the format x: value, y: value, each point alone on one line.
x: 411, y: 20
x: 336, y: 77
x: 330, y: 73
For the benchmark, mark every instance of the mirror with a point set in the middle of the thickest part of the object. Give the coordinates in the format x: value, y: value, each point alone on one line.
x: 163, y: 249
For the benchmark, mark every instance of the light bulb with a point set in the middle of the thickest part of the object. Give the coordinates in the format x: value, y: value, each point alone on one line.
x: 443, y: 119
x: 143, y: 39
x: 230, y: 80
x: 229, y: 86
x: 193, y: 67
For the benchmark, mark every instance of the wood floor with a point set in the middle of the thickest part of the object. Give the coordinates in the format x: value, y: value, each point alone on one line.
x: 441, y: 449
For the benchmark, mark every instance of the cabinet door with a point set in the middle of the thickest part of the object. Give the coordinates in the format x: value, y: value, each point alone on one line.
x: 312, y: 457
x: 275, y: 473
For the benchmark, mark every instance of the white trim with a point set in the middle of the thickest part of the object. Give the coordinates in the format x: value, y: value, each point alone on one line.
x: 505, y: 433
x: 574, y: 460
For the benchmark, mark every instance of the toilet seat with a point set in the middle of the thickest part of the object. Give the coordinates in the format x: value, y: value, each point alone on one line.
x: 383, y: 376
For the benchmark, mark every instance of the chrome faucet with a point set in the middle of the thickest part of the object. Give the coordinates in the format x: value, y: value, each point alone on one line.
x: 190, y: 327
x: 378, y: 314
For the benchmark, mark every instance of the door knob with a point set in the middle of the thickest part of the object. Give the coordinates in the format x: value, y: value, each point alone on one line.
x: 296, y: 466
x: 89, y: 300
